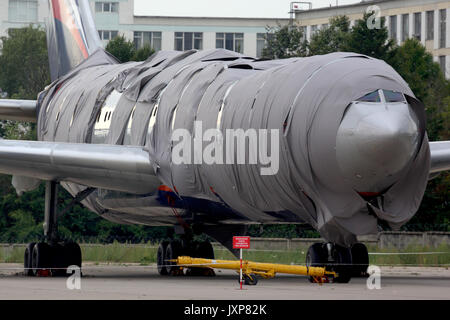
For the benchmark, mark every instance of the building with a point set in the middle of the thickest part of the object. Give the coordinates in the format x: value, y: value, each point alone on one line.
x: 116, y: 17
x: 426, y: 20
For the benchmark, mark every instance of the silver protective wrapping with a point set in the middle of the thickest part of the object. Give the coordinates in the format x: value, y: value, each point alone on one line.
x: 304, y: 98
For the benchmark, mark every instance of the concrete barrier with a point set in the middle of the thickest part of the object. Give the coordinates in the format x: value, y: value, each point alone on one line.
x: 402, y: 240
x: 384, y: 240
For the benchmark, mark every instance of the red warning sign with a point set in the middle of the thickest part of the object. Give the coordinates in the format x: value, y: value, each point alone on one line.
x: 241, y: 242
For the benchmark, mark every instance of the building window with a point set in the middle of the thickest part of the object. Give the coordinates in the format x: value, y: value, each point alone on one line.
x: 260, y: 44
x: 405, y: 27
x: 151, y: 39
x: 418, y: 25
x: 393, y: 27
x: 430, y: 25
x: 442, y: 62
x: 230, y: 41
x: 23, y: 11
x: 107, y: 34
x: 442, y: 28
x: 188, y: 41
x: 313, y: 30
x: 108, y: 7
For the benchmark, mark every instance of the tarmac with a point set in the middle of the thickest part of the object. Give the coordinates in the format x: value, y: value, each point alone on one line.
x: 134, y: 281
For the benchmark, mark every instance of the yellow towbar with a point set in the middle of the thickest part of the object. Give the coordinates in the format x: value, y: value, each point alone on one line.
x: 265, y: 270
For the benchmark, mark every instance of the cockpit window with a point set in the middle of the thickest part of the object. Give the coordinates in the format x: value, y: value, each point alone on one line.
x: 371, y: 97
x: 392, y: 96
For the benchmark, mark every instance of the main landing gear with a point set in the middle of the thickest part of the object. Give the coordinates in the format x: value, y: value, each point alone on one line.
x: 171, y: 250
x: 346, y: 262
x: 51, y: 258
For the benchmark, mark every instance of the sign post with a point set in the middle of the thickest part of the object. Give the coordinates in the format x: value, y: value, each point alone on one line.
x: 241, y: 243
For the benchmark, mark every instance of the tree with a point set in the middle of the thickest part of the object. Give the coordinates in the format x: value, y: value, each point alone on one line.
x: 372, y: 42
x: 121, y: 48
x: 143, y: 53
x: 285, y: 42
x: 331, y: 38
x: 24, y: 65
x: 416, y: 66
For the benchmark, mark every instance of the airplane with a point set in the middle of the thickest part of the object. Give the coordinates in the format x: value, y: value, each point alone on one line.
x: 348, y: 146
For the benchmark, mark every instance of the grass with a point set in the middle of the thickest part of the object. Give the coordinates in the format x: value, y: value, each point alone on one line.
x: 146, y: 254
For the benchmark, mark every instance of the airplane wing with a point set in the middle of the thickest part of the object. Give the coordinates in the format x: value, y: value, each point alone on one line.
x: 122, y: 168
x: 440, y: 156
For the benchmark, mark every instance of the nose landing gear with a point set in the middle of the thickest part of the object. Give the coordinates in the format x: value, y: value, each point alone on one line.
x: 346, y: 262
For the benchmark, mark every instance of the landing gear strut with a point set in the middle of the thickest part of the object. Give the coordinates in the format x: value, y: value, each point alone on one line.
x: 51, y: 257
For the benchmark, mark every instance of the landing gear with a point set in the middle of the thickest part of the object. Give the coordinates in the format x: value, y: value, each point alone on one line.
x: 160, y: 259
x: 51, y: 258
x: 334, y: 257
x: 360, y: 260
x: 27, y: 259
x: 203, y: 250
x: 171, y: 250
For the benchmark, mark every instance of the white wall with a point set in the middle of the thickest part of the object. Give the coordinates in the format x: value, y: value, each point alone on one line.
x: 436, y: 29
x: 3, y: 17
x: 447, y: 40
x: 209, y: 40
x: 447, y: 67
x: 250, y: 44
x: 168, y: 40
x: 424, y: 28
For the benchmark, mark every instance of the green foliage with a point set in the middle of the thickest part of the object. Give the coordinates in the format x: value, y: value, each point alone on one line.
x: 331, y: 38
x: 24, y: 65
x: 372, y: 42
x: 125, y: 51
x: 417, y: 67
x: 285, y: 42
x: 143, y: 53
x: 121, y: 48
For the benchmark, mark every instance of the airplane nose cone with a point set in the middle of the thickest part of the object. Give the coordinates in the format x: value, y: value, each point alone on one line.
x: 374, y: 144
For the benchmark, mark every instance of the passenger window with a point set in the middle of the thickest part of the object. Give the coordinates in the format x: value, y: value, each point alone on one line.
x: 101, y: 127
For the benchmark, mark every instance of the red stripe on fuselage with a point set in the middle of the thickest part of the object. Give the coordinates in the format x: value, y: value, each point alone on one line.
x: 62, y: 13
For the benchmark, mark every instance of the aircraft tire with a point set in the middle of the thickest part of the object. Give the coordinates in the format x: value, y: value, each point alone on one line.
x: 27, y: 259
x: 203, y: 250
x: 315, y: 257
x: 173, y: 251
x: 161, y: 259
x: 73, y: 255
x: 344, y: 267
x: 41, y: 257
x: 360, y: 260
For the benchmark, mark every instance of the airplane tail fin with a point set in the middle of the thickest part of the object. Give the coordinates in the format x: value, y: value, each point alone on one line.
x: 71, y: 35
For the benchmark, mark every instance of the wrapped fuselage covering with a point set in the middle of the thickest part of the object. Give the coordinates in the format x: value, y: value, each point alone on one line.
x: 303, y: 99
